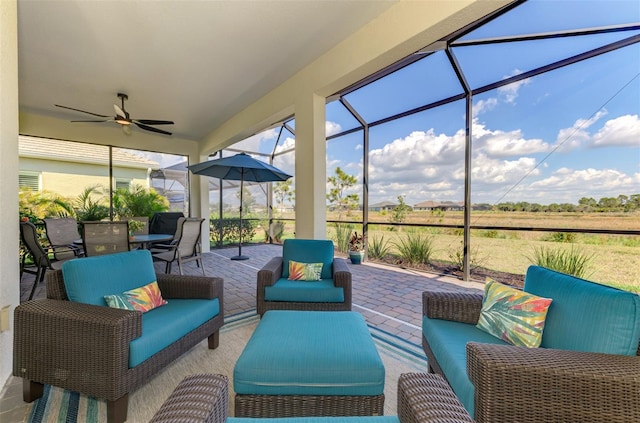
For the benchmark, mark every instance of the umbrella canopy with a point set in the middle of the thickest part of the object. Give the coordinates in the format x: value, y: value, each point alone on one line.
x: 240, y: 167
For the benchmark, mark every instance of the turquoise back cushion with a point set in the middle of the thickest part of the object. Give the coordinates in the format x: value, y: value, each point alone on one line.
x: 88, y: 280
x: 308, y: 251
x: 586, y: 316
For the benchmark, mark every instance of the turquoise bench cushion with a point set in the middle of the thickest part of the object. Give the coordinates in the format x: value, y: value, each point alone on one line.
x: 341, y: 419
x: 164, y: 325
x: 308, y: 251
x: 322, y: 291
x: 586, y: 316
x: 310, y: 353
x: 87, y: 280
x: 448, y: 341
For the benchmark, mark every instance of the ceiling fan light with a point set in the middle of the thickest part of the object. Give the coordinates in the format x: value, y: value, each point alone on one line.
x: 123, y: 121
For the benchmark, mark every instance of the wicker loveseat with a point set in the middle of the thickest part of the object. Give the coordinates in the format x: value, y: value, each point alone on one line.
x: 331, y: 293
x: 587, y: 368
x: 105, y: 352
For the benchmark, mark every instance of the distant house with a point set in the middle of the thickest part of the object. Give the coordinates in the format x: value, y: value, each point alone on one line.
x: 383, y: 206
x: 437, y: 205
x: 67, y: 168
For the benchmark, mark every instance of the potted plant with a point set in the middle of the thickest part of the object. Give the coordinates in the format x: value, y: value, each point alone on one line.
x: 134, y: 226
x: 356, y: 248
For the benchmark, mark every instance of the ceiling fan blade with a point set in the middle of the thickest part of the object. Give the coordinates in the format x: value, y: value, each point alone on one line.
x: 104, y: 120
x: 78, y: 110
x: 120, y: 113
x: 126, y: 129
x: 152, y: 129
x: 153, y: 122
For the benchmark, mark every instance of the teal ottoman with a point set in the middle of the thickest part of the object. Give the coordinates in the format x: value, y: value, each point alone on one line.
x: 309, y: 363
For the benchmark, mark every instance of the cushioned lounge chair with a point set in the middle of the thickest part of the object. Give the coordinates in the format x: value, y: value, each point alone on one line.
x: 275, y: 291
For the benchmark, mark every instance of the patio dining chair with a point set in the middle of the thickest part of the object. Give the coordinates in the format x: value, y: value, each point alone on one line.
x: 40, y: 256
x: 100, y: 238
x: 185, y: 249
x: 61, y: 233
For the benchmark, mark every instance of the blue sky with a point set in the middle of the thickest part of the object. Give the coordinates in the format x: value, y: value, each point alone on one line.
x: 554, y: 138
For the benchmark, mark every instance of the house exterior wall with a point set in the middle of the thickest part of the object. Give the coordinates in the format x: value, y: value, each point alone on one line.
x: 69, y: 179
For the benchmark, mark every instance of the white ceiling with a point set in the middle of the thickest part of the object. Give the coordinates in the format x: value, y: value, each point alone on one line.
x: 194, y: 62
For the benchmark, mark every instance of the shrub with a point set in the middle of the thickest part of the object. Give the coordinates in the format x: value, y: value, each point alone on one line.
x: 573, y: 262
x: 378, y: 248
x: 231, y: 230
x: 342, y: 236
x: 563, y: 237
x: 456, y: 255
x: 415, y: 248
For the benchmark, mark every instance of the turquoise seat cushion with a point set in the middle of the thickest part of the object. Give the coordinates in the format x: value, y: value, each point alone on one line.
x: 88, y: 280
x: 448, y: 341
x: 341, y: 419
x: 586, y: 316
x: 308, y: 251
x: 322, y: 291
x: 310, y: 353
x: 164, y: 325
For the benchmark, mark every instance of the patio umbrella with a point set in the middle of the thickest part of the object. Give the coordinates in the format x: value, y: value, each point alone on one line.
x: 240, y: 167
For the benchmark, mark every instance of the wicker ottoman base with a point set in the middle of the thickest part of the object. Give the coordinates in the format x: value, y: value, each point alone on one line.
x: 307, y: 405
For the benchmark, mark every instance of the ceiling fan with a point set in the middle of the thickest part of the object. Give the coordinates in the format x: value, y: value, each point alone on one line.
x: 124, y: 119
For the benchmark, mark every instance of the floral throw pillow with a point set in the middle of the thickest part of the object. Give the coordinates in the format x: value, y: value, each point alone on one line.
x: 304, y: 271
x: 142, y: 299
x: 512, y: 315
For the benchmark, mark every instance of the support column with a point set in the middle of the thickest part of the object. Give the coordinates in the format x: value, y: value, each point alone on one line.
x: 9, y: 227
x: 311, y: 168
x: 199, y: 199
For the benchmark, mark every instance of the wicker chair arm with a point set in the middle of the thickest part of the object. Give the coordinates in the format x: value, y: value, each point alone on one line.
x: 457, y: 306
x: 53, y: 337
x: 538, y: 384
x: 270, y: 273
x: 341, y: 273
x: 189, y: 286
x: 199, y: 398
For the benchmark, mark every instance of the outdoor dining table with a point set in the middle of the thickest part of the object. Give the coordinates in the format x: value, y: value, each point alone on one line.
x: 145, y: 240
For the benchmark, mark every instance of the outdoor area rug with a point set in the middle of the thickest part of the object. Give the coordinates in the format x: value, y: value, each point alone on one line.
x: 58, y: 405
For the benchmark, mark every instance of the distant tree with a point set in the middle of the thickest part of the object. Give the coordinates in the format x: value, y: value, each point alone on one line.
x: 399, y: 212
x: 337, y: 195
x: 587, y: 204
x: 248, y: 201
x: 607, y: 204
x: 283, y: 192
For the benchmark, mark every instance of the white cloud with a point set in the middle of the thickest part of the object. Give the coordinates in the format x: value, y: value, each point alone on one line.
x: 621, y: 131
x: 601, y: 182
x: 577, y: 135
x: 505, y: 144
x: 509, y: 93
x: 482, y: 106
x: 332, y: 128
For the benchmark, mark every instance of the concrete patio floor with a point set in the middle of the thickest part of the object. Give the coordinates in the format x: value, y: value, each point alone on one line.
x: 389, y: 298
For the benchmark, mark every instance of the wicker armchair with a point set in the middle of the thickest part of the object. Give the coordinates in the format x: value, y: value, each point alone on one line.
x: 306, y: 251
x: 85, y: 348
x: 539, y: 384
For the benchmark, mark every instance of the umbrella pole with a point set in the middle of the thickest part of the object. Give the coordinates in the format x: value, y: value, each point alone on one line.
x: 240, y: 256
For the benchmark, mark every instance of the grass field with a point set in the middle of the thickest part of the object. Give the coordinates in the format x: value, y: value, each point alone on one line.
x: 616, y: 258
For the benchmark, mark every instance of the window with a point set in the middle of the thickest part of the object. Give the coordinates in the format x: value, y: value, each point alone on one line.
x: 29, y: 180
x: 124, y: 183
